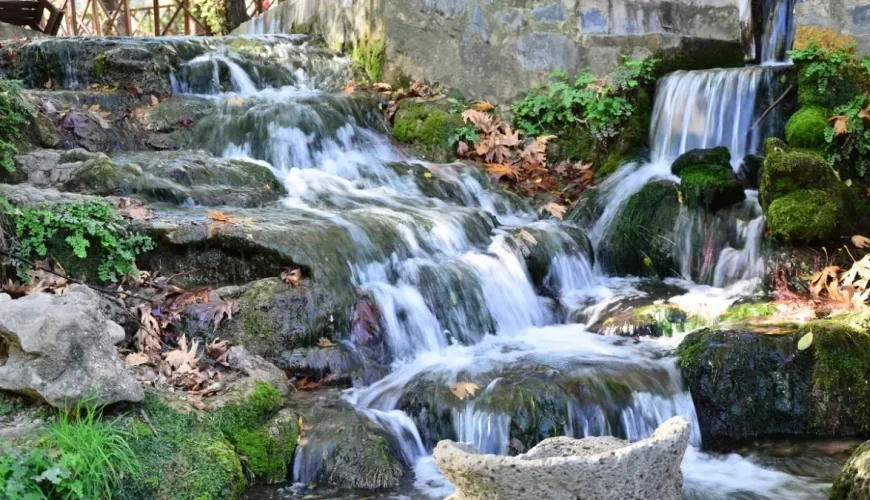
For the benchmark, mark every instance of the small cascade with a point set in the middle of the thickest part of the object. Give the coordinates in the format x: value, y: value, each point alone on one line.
x: 778, y: 32
x: 704, y: 109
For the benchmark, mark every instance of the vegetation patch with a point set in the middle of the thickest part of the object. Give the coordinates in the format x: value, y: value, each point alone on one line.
x: 369, y: 55
x: 93, y: 233
x: 806, y: 216
x: 16, y: 113
x: 808, y: 128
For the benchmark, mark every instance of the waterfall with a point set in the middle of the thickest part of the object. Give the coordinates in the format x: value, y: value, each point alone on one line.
x: 779, y: 31
x: 469, y: 286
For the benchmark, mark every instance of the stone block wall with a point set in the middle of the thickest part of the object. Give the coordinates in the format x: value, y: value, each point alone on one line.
x: 846, y: 16
x: 496, y: 49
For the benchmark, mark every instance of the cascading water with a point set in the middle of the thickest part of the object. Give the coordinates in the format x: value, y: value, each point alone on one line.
x: 469, y: 286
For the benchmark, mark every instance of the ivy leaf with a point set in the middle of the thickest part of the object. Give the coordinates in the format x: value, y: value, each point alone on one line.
x: 805, y: 342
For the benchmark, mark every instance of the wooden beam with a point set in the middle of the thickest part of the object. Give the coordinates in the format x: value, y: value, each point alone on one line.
x: 171, y: 20
x: 95, y: 18
x: 156, y: 17
x: 128, y: 20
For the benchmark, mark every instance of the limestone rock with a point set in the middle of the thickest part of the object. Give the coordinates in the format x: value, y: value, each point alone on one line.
x: 62, y: 349
x: 564, y: 468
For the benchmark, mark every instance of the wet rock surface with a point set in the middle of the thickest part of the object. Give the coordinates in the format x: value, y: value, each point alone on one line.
x: 564, y: 468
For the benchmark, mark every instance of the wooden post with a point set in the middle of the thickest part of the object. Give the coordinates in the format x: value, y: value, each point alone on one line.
x: 128, y: 18
x: 186, y: 18
x: 95, y: 18
x: 156, y: 17
x: 258, y: 6
x: 72, y: 17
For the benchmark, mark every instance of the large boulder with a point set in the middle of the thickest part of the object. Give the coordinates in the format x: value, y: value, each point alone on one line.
x: 640, y: 239
x: 197, y: 177
x: 563, y: 468
x: 807, y: 216
x: 755, y: 383
x: 853, y: 483
x: 62, y: 349
x: 718, y: 156
x: 710, y: 187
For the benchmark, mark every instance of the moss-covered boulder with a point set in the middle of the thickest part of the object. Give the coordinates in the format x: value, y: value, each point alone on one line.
x: 786, y: 171
x: 587, y: 210
x: 853, y: 483
x: 183, y: 458
x: 647, y: 321
x: 96, y: 176
x: 807, y: 216
x: 341, y: 447
x: 640, y: 240
x: 806, y: 128
x: 541, y: 246
x: 710, y: 187
x: 197, y: 177
x: 746, y: 383
x: 719, y: 156
x: 427, y: 126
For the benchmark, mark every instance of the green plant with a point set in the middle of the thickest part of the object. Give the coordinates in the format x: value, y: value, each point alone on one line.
x: 213, y: 12
x: 80, y: 225
x: 467, y: 134
x: 853, y: 145
x: 15, y: 112
x: 83, y: 456
x: 602, y: 105
x: 823, y: 65
x: 369, y: 55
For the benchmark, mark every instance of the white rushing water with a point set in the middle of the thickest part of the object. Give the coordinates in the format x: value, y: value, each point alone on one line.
x: 456, y: 297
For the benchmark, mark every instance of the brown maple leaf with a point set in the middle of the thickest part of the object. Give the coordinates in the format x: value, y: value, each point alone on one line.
x: 841, y: 124
x: 292, y: 276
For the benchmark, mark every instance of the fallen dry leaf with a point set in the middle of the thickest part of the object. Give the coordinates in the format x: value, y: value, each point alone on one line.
x: 556, y: 210
x: 841, y: 124
x: 219, y: 217
x: 137, y: 359
x: 484, y: 106
x: 464, y: 390
x: 324, y: 343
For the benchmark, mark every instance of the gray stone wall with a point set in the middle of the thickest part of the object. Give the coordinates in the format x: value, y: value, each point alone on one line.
x: 846, y: 16
x: 496, y: 49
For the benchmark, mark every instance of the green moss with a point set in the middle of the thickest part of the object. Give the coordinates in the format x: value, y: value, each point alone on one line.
x: 100, y: 64
x: 640, y: 240
x: 717, y: 157
x: 264, y: 453
x: 841, y: 378
x: 370, y: 55
x: 710, y: 187
x: 427, y: 127
x: 749, y: 311
x: 806, y: 128
x: 188, y: 459
x: 96, y: 176
x: 787, y: 171
x: 839, y: 91
x: 807, y: 216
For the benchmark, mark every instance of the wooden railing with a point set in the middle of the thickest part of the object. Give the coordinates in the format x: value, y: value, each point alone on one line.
x: 91, y: 17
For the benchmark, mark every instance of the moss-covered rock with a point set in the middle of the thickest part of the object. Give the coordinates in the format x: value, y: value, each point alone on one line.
x: 341, y: 447
x: 806, y: 128
x: 427, y: 126
x: 587, y: 210
x: 746, y: 383
x: 187, y: 458
x: 710, y: 187
x: 807, y: 216
x: 648, y: 321
x: 786, y: 171
x: 97, y: 176
x: 853, y: 483
x: 719, y: 157
x: 837, y: 92
x: 640, y: 240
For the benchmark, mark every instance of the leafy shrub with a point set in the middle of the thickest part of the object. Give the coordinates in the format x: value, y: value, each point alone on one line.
x: 83, y: 457
x: 15, y: 113
x: 79, y: 225
x: 602, y: 105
